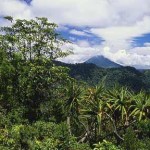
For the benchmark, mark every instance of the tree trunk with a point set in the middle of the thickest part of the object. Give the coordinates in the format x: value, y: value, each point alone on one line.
x: 68, y: 124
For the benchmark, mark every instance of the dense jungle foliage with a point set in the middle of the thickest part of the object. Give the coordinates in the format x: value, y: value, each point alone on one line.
x: 43, y: 108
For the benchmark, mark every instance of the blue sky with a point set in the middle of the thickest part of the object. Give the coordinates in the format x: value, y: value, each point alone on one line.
x: 117, y: 29
x: 139, y: 41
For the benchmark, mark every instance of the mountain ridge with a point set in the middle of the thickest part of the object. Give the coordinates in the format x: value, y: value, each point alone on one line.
x: 123, y: 76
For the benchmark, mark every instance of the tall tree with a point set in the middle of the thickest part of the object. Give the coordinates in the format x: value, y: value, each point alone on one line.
x: 30, y: 47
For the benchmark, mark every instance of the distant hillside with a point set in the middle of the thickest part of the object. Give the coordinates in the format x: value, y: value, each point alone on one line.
x: 124, y: 76
x: 101, y: 61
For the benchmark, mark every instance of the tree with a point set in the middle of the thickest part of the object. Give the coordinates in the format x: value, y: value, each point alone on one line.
x: 74, y: 95
x: 121, y: 100
x: 33, y: 39
x: 140, y: 107
x: 30, y: 47
x: 94, y: 109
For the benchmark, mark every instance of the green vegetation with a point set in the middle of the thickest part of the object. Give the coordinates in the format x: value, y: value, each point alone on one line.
x: 124, y: 76
x: 42, y: 107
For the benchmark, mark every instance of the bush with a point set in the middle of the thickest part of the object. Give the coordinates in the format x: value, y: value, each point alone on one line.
x: 106, y: 145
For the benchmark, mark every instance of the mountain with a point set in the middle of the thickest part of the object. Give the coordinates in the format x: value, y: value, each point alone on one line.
x: 101, y: 61
x: 123, y: 76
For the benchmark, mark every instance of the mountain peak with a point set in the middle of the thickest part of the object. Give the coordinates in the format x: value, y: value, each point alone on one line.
x: 103, y: 62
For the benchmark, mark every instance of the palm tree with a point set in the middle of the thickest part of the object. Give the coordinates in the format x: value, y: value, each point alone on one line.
x: 141, y: 106
x: 120, y: 99
x: 94, y: 109
x: 74, y: 94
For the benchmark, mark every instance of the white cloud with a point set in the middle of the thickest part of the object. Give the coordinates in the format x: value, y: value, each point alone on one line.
x: 121, y: 36
x: 138, y: 56
x: 83, y: 43
x: 80, y: 33
x: 147, y: 44
x: 81, y: 53
x: 141, y: 50
x: 73, y: 12
x: 93, y: 13
x: 15, y: 8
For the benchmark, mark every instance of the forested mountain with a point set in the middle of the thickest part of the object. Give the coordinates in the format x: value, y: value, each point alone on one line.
x: 103, y: 62
x: 123, y: 76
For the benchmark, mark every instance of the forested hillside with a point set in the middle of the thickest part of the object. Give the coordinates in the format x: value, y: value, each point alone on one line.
x: 42, y: 107
x: 123, y: 76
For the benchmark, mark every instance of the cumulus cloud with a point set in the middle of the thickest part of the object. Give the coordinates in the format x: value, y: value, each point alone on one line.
x: 81, y: 53
x: 122, y: 36
x: 132, y: 58
x: 93, y: 13
x: 73, y: 12
x: 138, y: 57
